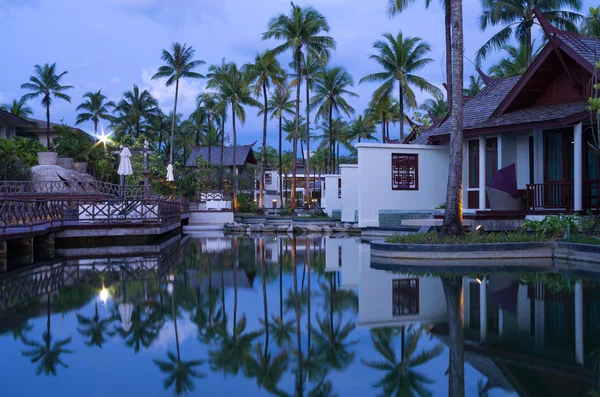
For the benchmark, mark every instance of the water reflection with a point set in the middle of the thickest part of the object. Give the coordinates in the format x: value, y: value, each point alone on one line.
x: 292, y: 316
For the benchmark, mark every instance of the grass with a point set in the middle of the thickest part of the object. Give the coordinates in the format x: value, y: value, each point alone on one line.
x: 582, y: 239
x: 467, y: 238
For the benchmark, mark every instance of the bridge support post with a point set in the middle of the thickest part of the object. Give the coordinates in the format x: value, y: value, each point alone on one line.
x: 44, y: 247
x: 3, y: 256
x: 21, y: 250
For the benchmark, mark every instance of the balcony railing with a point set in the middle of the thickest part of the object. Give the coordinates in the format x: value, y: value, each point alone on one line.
x: 73, y: 188
x: 561, y: 195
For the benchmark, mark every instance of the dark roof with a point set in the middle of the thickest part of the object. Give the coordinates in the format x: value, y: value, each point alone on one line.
x: 243, y: 155
x: 587, y: 47
x: 478, y: 109
x: 16, y: 121
x: 40, y: 125
x: 536, y: 114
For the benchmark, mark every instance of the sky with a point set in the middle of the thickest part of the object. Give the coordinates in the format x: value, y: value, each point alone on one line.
x: 113, y: 44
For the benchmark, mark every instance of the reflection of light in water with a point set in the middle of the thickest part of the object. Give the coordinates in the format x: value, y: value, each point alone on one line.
x: 104, y: 295
x: 170, y: 288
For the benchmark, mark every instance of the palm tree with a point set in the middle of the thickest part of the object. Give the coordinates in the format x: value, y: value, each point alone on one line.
x: 333, y: 135
x: 234, y: 348
x: 516, y: 62
x: 287, y: 165
x: 208, y: 109
x: 179, y: 64
x: 235, y: 92
x: 331, y: 86
x: 179, y: 372
x: 453, y: 292
x: 386, y: 111
x: 143, y: 332
x: 264, y: 71
x: 136, y: 107
x: 282, y: 105
x: 299, y: 30
x: 18, y: 108
x: 475, y: 86
x: 217, y: 76
x: 94, y: 328
x: 401, y: 373
x: 519, y: 18
x: 266, y: 368
x: 158, y: 126
x: 400, y: 58
x: 395, y: 7
x: 362, y: 128
x: 47, y: 354
x: 436, y: 107
x: 46, y: 83
x: 94, y: 108
x: 312, y: 65
x: 331, y: 344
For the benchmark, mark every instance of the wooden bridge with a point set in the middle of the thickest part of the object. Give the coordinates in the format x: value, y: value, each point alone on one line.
x: 33, y: 214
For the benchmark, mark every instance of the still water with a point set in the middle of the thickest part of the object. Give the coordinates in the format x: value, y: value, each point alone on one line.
x: 282, y: 316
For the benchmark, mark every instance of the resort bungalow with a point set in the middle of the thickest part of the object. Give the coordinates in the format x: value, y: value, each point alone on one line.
x: 11, y: 125
x: 37, y: 129
x: 537, y: 122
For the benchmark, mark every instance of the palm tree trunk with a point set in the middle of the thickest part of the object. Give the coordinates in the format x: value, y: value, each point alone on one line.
x: 297, y: 306
x: 303, y: 159
x: 307, y: 165
x: 281, y: 203
x: 401, y: 110
x: 48, y: 125
x: 280, y: 260
x: 175, y: 326
x: 456, y: 366
x: 234, y: 159
x: 453, y: 215
x: 308, y: 298
x: 263, y: 160
x: 173, y: 122
x: 528, y: 44
x: 295, y: 145
x: 160, y: 133
x: 382, y: 131
x: 235, y: 292
x: 448, y: 28
x: 264, y: 290
x: 331, y: 150
x: 222, y: 147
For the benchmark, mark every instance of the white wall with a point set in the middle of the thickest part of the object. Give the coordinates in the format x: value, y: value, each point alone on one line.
x: 333, y: 248
x: 509, y: 151
x: 523, y: 161
x: 375, y: 297
x: 330, y: 200
x: 375, y: 180
x: 349, y: 174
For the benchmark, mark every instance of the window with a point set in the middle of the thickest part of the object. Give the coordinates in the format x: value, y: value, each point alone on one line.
x: 405, y: 171
x: 268, y: 179
x: 474, y: 164
x: 405, y: 297
x: 340, y: 188
x: 491, y: 159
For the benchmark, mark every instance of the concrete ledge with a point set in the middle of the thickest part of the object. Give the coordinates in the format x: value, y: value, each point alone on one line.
x: 383, y: 253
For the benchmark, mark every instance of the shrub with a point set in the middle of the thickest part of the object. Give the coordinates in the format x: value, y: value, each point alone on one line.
x: 467, y: 238
x: 555, y: 225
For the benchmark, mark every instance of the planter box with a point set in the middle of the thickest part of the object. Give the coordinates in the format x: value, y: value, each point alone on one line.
x: 80, y: 167
x: 254, y: 220
x: 47, y: 158
x: 65, y: 162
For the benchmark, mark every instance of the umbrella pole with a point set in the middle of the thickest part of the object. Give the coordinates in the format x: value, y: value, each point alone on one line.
x: 123, y: 186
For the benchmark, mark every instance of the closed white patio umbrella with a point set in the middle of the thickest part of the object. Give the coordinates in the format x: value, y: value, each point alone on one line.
x: 125, y: 310
x: 125, y: 162
x: 170, y: 176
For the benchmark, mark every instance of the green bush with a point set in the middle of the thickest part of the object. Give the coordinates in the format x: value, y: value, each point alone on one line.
x: 17, y: 156
x: 553, y: 226
x: 467, y: 238
x: 581, y: 239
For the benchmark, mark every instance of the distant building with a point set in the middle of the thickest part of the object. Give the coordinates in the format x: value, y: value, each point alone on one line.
x: 12, y: 126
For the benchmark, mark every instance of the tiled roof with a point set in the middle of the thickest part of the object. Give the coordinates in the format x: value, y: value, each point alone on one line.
x: 16, y: 121
x: 243, y: 155
x: 587, y: 47
x: 535, y: 114
x: 478, y: 109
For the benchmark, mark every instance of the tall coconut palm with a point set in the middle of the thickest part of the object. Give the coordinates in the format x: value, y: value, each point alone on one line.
x: 265, y: 71
x: 452, y: 224
x: 516, y: 62
x: 386, y: 111
x: 94, y: 328
x: 137, y: 107
x: 179, y: 64
x: 299, y: 30
x: 436, y: 107
x: 331, y: 86
x: 396, y: 7
x: 331, y: 343
x: 286, y: 164
x: 94, y: 107
x: 235, y: 92
x: 475, y: 85
x: 208, y: 106
x: 46, y: 83
x: 333, y: 135
x: 362, y: 128
x: 519, y: 18
x: 158, y: 127
x: 400, y: 57
x: 281, y: 106
x: 402, y: 375
x: 312, y: 65
x: 18, y: 108
x: 453, y: 292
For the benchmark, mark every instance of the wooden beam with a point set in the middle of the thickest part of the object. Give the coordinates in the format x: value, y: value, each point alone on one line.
x: 534, y: 90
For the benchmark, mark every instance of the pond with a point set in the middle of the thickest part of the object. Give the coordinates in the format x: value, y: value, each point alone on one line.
x: 283, y: 316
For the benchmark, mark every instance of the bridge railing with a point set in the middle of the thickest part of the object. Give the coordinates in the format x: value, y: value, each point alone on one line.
x: 30, y: 213
x: 71, y: 187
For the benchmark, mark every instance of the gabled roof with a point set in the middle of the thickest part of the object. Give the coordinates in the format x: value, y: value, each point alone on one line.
x: 11, y: 119
x: 478, y: 109
x: 40, y: 125
x: 243, y: 155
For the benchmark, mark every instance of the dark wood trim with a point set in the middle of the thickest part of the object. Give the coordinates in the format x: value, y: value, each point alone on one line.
x: 476, y: 142
x: 528, y: 126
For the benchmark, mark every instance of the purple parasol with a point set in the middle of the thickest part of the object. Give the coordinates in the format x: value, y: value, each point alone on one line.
x: 505, y: 180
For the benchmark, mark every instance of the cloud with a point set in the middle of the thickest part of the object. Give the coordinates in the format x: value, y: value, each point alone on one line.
x: 188, y: 92
x: 173, y: 12
x: 185, y: 329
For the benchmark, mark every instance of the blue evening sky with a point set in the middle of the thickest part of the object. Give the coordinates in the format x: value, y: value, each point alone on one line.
x: 113, y: 44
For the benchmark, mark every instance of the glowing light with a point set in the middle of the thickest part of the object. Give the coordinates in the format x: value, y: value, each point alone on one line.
x: 478, y: 280
x: 104, y: 295
x: 104, y: 137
